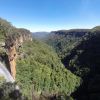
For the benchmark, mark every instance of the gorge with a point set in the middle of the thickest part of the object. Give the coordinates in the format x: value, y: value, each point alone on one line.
x: 64, y: 65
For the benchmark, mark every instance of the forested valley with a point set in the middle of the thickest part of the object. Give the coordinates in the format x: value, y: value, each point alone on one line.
x: 64, y: 65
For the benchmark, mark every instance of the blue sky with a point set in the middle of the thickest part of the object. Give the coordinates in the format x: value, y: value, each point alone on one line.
x: 48, y: 15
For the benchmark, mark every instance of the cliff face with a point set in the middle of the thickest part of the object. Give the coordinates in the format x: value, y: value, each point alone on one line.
x: 12, y: 44
x: 12, y: 55
x: 19, y: 41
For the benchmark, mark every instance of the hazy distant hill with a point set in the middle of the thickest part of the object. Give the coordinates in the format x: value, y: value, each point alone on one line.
x: 40, y: 35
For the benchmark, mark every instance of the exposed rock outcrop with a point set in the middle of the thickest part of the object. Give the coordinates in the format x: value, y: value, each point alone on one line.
x: 12, y: 43
x: 12, y: 55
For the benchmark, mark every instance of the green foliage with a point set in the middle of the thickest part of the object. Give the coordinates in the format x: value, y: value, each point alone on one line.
x: 73, y: 47
x: 39, y: 65
x: 65, y: 40
x: 5, y: 29
x: 8, y: 91
x: 83, y: 59
x: 97, y: 28
x: 2, y: 80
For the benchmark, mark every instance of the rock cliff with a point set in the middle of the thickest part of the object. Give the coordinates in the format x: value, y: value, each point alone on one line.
x: 12, y: 43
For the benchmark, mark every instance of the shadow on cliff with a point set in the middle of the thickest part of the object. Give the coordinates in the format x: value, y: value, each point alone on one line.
x: 88, y: 58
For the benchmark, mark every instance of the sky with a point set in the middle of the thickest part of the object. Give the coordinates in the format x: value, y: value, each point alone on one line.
x: 50, y: 15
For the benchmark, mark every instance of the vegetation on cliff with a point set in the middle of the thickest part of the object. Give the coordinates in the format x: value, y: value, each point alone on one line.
x: 79, y: 52
x: 40, y: 67
x: 63, y: 41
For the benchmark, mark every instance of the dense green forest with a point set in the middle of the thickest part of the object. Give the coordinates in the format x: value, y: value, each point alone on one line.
x: 79, y: 51
x: 41, y: 66
x: 64, y: 65
x: 39, y: 69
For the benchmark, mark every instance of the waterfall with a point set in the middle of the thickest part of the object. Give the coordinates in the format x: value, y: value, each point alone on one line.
x: 5, y: 73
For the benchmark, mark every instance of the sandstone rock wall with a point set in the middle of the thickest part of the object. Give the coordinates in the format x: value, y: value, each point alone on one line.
x: 11, y: 45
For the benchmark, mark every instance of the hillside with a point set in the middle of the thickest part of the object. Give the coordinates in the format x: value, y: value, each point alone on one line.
x: 63, y: 41
x: 64, y: 65
x: 40, y: 66
x: 79, y: 52
x: 34, y: 65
